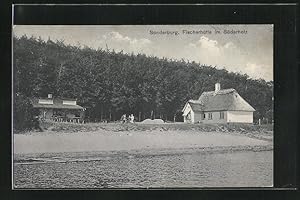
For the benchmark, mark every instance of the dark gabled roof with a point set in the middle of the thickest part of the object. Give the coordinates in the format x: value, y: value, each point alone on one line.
x: 227, y: 99
x: 196, y: 105
x: 57, y: 104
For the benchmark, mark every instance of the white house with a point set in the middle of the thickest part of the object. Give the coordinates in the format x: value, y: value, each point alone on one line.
x: 219, y: 106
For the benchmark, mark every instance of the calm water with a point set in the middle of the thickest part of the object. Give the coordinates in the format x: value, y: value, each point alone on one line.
x: 249, y: 169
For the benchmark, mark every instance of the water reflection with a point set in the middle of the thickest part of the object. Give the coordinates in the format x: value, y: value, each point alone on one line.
x: 239, y: 169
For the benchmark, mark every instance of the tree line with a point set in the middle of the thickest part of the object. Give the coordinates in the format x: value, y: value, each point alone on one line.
x: 109, y: 84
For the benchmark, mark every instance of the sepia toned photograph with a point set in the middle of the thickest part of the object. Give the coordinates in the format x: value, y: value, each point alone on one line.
x: 142, y: 106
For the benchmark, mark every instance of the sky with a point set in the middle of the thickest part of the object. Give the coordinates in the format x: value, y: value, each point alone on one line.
x: 246, y: 49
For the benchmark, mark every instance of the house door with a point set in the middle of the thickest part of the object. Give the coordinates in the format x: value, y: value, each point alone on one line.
x: 188, y: 117
x: 202, y: 116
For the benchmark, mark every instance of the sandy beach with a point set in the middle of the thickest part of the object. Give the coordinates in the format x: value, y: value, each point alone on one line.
x: 51, y: 141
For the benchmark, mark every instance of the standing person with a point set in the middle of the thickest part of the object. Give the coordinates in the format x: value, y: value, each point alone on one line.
x: 131, y: 118
x: 123, y: 118
x: 36, y: 123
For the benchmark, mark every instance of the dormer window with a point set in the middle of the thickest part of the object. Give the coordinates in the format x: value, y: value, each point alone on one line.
x: 69, y: 102
x: 46, y: 101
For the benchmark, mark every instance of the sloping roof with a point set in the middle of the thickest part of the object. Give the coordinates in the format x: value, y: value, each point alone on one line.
x: 197, y: 106
x: 227, y: 99
x: 57, y: 104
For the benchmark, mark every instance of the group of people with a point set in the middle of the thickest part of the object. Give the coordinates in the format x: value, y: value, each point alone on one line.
x: 125, y: 119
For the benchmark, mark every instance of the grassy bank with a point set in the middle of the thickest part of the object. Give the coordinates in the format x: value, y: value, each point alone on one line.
x: 117, y: 127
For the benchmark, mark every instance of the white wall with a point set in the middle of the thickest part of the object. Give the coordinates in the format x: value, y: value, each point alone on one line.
x: 186, y: 109
x: 215, y: 117
x: 240, y: 116
x: 229, y: 117
x: 197, y: 117
x: 192, y: 116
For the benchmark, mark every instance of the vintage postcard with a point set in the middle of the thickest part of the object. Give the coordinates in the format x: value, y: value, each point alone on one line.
x: 142, y: 106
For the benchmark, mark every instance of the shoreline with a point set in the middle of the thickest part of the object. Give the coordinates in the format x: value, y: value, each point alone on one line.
x: 63, y: 157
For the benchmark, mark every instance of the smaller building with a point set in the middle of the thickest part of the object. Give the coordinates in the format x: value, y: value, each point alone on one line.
x: 219, y: 106
x: 58, y: 109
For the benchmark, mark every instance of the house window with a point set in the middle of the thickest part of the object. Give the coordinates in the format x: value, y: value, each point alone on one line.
x: 209, y: 115
x: 203, y: 116
x: 221, y: 115
x: 69, y: 102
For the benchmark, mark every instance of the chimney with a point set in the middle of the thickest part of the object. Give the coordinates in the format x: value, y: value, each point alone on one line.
x: 49, y: 96
x: 217, y: 87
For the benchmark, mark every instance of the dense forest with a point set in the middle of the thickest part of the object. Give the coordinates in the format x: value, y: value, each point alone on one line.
x: 109, y: 84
